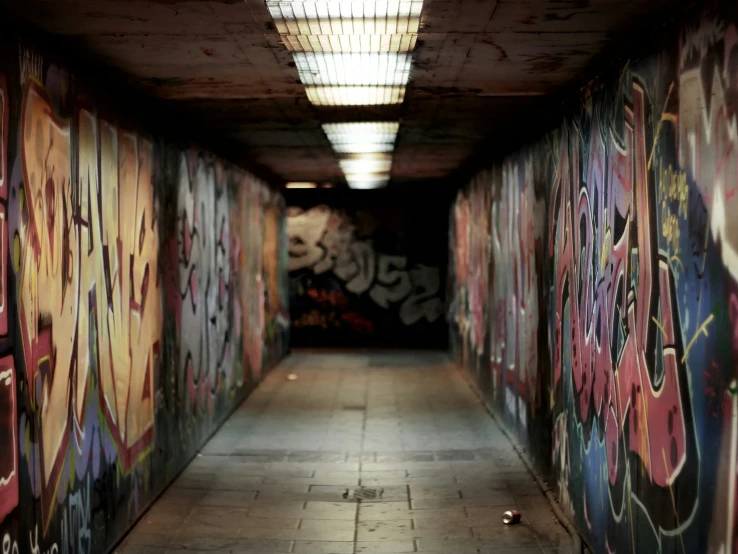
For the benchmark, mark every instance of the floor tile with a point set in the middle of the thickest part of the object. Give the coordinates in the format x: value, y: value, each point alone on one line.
x: 323, y: 547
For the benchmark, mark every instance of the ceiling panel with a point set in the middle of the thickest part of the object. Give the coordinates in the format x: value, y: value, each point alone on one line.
x: 478, y: 66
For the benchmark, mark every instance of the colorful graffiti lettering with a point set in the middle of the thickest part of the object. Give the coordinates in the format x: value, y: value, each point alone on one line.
x: 518, y: 216
x: 204, y: 280
x: 274, y: 269
x: 8, y: 411
x: 8, y: 438
x: 611, y: 237
x: 249, y: 230
x: 102, y: 397
x: 87, y: 268
x: 616, y: 327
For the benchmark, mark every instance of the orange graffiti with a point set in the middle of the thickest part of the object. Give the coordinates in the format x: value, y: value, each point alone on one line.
x: 271, y: 259
x: 250, y: 233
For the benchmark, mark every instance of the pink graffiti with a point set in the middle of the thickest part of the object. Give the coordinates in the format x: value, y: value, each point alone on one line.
x: 609, y: 274
x: 8, y: 438
x: 478, y: 267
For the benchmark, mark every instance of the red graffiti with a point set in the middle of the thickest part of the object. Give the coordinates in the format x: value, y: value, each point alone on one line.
x: 8, y: 438
x: 478, y: 240
x: 4, y: 256
x: 332, y: 298
x: 358, y: 323
x: 620, y: 297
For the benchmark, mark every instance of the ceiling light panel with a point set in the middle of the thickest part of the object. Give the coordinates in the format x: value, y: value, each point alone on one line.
x: 350, y: 43
x: 366, y: 182
x: 355, y: 138
x: 369, y: 17
x: 301, y: 185
x: 355, y: 96
x: 352, y: 69
x: 363, y: 166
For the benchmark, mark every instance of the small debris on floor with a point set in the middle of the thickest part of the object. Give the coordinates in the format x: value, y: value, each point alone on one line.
x: 292, y: 377
x: 511, y: 517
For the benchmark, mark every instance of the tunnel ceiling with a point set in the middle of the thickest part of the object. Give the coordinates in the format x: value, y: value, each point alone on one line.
x: 478, y: 66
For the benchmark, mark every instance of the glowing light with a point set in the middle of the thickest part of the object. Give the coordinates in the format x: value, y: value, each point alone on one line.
x: 350, y: 43
x: 353, y: 53
x: 365, y: 164
x: 355, y: 96
x: 345, y: 26
x: 301, y: 185
x: 366, y: 182
x: 365, y: 171
x: 353, y: 69
x: 362, y: 137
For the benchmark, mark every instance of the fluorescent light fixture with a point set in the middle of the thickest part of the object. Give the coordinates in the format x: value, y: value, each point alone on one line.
x: 353, y: 69
x: 350, y: 43
x: 301, y: 185
x: 368, y: 17
x: 355, y: 96
x: 366, y: 171
x: 369, y: 176
x: 357, y: 138
x: 366, y: 163
x: 353, y: 53
x: 366, y: 182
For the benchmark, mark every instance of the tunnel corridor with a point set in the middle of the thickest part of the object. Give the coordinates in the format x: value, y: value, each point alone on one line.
x: 361, y: 276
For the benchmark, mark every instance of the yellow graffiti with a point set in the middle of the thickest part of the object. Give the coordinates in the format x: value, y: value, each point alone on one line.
x: 702, y: 330
x: 660, y: 326
x: 674, y: 189
x: 46, y: 287
x: 87, y: 256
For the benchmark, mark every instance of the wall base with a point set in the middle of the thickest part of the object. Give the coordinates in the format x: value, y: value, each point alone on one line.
x: 578, y: 544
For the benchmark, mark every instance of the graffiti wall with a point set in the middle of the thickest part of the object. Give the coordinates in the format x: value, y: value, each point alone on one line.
x: 612, y: 298
x: 275, y: 266
x: 359, y: 276
x: 130, y: 321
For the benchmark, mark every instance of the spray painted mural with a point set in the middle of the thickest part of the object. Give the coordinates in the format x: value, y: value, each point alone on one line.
x: 275, y: 277
x: 351, y: 291
x: 612, y: 299
x: 122, y: 309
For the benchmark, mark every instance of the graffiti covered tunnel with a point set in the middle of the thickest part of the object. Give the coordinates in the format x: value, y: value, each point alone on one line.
x: 596, y: 279
x: 132, y: 308
x: 582, y: 267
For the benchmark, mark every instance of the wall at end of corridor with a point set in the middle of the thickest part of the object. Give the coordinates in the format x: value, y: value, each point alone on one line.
x: 595, y: 278
x: 367, y: 268
x: 143, y: 293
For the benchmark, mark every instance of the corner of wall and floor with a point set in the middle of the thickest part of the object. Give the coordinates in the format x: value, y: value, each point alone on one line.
x: 578, y: 543
x: 595, y: 292
x: 142, y: 296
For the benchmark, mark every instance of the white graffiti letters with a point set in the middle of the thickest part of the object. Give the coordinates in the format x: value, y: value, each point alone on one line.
x: 424, y: 302
x: 9, y: 545
x: 36, y: 549
x: 393, y: 282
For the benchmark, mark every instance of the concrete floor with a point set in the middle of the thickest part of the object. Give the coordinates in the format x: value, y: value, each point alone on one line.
x: 405, y: 425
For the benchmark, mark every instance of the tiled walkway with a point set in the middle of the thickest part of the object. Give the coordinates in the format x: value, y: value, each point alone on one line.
x: 282, y: 474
